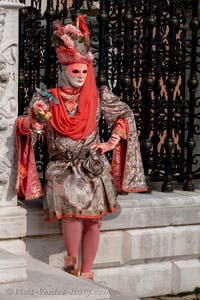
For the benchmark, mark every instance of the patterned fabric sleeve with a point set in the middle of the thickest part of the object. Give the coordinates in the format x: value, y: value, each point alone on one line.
x: 27, y: 182
x: 127, y: 168
x: 23, y: 124
x: 112, y: 108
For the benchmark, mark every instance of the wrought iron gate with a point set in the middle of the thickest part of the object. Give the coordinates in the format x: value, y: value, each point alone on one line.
x: 148, y: 52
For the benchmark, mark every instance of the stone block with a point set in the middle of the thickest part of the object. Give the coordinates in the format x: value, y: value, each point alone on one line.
x: 143, y: 280
x: 12, y: 275
x: 185, y: 240
x: 117, y: 278
x: 51, y: 249
x: 136, y: 211
x: 110, y: 249
x: 12, y: 267
x: 152, y: 279
x: 48, y: 249
x: 15, y: 246
x: 47, y: 283
x: 186, y: 275
x: 122, y: 247
x: 154, y: 210
x: 147, y: 243
x: 13, y: 222
x: 153, y: 243
x: 35, y: 220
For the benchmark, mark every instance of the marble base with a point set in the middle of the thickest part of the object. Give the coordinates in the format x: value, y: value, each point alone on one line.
x: 13, y: 222
x: 12, y: 267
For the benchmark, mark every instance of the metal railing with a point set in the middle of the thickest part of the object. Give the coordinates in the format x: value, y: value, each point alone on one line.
x: 148, y: 52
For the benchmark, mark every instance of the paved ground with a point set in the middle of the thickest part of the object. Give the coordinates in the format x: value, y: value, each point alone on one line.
x: 176, y: 297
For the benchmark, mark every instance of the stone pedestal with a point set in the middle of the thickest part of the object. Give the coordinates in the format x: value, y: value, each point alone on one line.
x: 8, y: 99
x: 13, y: 218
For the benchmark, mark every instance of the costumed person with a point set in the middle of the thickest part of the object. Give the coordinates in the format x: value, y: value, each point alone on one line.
x: 81, y: 186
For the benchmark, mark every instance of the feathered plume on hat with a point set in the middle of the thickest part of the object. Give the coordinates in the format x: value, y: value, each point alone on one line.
x: 72, y: 42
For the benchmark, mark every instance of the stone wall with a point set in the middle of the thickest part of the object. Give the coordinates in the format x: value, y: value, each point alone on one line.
x: 149, y: 247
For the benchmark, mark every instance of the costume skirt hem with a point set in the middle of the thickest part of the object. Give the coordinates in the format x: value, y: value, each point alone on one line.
x: 136, y: 190
x: 80, y: 216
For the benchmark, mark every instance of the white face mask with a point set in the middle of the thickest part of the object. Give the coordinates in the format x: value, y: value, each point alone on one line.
x: 74, y: 75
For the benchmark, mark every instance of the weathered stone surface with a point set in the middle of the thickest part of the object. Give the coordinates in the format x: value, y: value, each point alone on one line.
x: 9, y: 99
x: 123, y: 247
x: 51, y: 249
x: 164, y: 242
x: 11, y: 4
x: 190, y: 297
x: 128, y: 237
x: 185, y: 240
x: 136, y: 211
x: 186, y: 275
x: 152, y: 279
x: 12, y: 267
x: 15, y: 246
x: 47, y: 283
x: 116, y: 278
x: 155, y: 210
x: 169, y: 298
x: 13, y: 274
x: 143, y: 280
x: 35, y: 220
x: 146, y: 243
x: 13, y: 222
x: 110, y: 249
x: 48, y: 249
x: 12, y: 217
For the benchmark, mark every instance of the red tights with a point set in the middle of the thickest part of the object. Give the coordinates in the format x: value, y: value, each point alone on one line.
x: 73, y: 229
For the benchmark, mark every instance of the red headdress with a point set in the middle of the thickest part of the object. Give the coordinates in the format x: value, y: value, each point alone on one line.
x: 72, y: 42
x: 73, y: 46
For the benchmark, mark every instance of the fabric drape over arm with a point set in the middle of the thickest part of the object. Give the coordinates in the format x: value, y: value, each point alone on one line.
x: 127, y: 168
x: 28, y: 185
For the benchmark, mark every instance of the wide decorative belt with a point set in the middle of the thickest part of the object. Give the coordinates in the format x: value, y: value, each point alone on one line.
x: 92, y: 163
x: 69, y: 155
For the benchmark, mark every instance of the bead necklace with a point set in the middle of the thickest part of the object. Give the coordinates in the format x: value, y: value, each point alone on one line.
x: 70, y: 100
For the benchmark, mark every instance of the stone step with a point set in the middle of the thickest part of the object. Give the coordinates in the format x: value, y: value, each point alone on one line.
x: 122, y: 247
x: 139, y: 246
x: 152, y: 279
x: 47, y: 283
x: 12, y: 267
x: 136, y: 210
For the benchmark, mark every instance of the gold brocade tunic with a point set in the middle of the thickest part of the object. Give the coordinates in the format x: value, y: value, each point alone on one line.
x: 79, y: 183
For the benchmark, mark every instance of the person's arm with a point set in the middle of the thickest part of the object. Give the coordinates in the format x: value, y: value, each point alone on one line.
x: 119, y: 132
x: 114, y: 112
x: 27, y: 123
x: 126, y: 166
x: 35, y: 116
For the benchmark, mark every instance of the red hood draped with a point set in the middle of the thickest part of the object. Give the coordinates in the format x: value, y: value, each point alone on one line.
x: 84, y: 122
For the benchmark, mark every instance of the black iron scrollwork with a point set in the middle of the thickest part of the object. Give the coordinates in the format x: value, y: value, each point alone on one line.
x: 146, y: 51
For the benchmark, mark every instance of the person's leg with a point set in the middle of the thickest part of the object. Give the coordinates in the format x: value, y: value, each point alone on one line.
x: 71, y: 228
x: 90, y: 242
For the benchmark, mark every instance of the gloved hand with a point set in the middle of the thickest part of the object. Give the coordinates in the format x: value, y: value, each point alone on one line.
x: 31, y: 123
x: 107, y: 146
x: 35, y: 125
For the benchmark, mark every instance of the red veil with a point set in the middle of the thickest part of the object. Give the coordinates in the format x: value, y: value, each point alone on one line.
x: 77, y: 127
